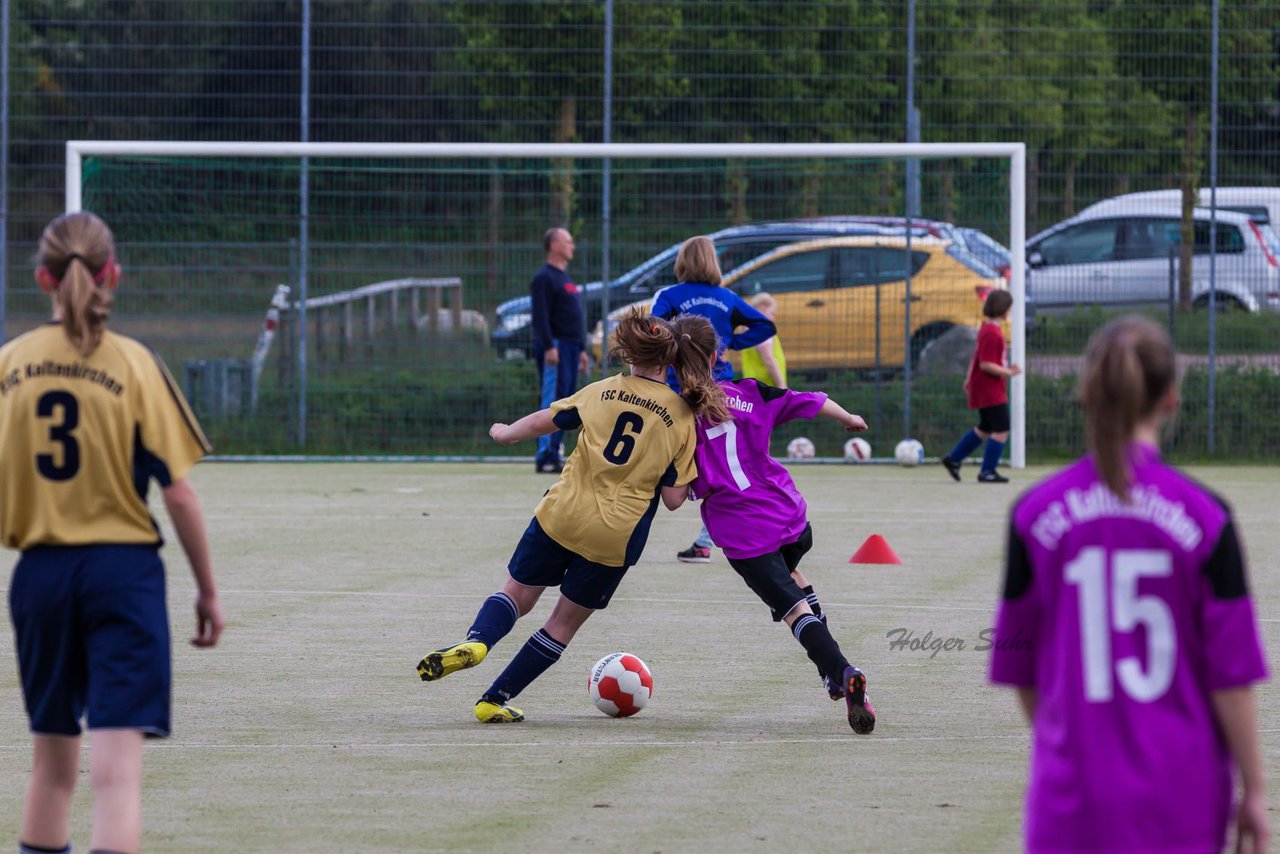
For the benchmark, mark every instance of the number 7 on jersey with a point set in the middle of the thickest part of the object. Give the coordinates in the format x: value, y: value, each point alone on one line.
x: 730, y: 432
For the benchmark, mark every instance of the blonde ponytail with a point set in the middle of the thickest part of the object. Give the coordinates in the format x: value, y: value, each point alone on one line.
x: 78, y: 251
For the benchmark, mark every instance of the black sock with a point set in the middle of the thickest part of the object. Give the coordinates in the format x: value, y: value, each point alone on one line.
x: 812, y: 599
x: 820, y: 646
x: 28, y: 848
x: 539, y: 652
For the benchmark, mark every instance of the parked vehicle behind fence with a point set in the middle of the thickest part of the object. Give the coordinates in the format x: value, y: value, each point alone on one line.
x: 842, y: 301
x: 512, y: 334
x: 1126, y: 258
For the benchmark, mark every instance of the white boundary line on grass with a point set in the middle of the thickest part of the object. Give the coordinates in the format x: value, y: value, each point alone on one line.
x: 825, y: 603
x: 412, y: 595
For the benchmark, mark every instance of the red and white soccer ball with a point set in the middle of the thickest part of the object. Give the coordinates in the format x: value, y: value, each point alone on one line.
x: 800, y: 448
x: 620, y: 685
x: 857, y: 450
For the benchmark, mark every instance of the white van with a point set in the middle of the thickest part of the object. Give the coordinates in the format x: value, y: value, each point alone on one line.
x: 1261, y: 203
x: 1121, y: 259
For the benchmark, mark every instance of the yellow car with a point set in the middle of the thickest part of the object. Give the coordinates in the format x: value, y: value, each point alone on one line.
x: 842, y: 301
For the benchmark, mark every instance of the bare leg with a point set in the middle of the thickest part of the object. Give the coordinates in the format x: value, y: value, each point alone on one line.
x: 565, y: 620
x: 115, y: 772
x: 523, y: 595
x: 55, y: 764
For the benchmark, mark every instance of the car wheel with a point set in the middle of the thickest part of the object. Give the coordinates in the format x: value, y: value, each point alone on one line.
x: 1224, y: 303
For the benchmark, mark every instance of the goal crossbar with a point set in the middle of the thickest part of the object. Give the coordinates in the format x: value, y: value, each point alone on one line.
x: 1014, y: 152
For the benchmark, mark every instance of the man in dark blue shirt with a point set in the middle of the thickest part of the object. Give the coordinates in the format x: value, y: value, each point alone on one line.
x: 559, y: 335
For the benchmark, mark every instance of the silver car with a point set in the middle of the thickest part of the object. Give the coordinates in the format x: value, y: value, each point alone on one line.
x: 1124, y: 260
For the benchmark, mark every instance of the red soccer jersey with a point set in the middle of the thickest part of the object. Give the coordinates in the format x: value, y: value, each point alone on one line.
x: 987, y: 389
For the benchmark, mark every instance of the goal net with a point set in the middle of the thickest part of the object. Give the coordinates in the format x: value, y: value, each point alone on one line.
x: 327, y: 299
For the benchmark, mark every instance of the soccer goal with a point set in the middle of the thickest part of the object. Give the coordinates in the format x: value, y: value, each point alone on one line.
x: 209, y: 231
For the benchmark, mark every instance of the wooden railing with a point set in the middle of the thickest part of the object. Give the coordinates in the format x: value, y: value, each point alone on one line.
x: 348, y: 324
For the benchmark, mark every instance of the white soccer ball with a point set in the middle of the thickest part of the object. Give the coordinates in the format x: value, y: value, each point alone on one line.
x: 909, y: 453
x: 857, y: 450
x: 800, y: 448
x: 620, y: 685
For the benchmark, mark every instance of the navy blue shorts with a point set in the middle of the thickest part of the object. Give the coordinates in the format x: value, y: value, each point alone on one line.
x: 769, y: 575
x: 540, y: 561
x: 92, y: 636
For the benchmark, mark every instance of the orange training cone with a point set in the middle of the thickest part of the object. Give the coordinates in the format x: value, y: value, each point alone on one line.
x: 875, y: 550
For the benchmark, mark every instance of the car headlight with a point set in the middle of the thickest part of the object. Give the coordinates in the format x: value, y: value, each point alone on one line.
x: 512, y: 322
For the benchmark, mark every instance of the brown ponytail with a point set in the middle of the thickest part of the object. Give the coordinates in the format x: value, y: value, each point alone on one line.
x: 643, y: 340
x: 78, y: 251
x: 1129, y: 366
x: 696, y: 346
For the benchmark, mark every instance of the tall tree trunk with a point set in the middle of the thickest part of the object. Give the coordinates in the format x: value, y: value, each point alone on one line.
x: 1033, y: 189
x: 495, y: 227
x: 736, y: 185
x: 562, y: 169
x: 948, y: 196
x: 1069, y: 186
x: 1189, y: 180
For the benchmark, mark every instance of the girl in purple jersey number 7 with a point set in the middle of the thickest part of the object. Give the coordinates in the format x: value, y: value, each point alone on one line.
x: 756, y: 515
x: 1127, y: 627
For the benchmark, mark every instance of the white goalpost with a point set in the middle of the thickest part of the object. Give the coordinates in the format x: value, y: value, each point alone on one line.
x: 1013, y: 153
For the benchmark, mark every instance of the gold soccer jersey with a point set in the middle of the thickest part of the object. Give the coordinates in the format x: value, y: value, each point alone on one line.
x: 81, y: 438
x: 637, y: 434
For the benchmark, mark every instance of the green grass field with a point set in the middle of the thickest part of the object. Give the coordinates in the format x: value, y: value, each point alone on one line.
x: 307, y: 729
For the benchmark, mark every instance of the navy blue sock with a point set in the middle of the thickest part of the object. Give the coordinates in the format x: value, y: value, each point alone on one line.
x: 494, y: 620
x: 991, y: 456
x: 820, y: 646
x: 539, y: 652
x: 966, y: 446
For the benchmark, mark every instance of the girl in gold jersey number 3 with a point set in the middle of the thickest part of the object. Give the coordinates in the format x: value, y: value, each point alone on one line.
x: 636, y: 445
x: 87, y: 419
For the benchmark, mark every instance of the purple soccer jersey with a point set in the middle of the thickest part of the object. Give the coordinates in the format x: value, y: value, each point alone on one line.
x: 1124, y: 617
x: 749, y: 503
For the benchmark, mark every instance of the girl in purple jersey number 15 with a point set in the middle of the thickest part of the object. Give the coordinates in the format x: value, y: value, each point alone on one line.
x: 1127, y: 628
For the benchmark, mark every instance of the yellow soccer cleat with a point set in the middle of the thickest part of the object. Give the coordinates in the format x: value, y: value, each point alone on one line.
x: 492, y: 713
x: 442, y: 662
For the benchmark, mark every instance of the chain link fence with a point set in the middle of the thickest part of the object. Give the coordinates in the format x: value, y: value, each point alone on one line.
x: 1111, y: 99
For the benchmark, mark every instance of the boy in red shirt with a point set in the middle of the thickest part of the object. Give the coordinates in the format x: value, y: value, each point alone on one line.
x: 986, y: 385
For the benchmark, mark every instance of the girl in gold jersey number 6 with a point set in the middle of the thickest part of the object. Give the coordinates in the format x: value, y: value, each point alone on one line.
x: 87, y: 419
x: 635, y: 446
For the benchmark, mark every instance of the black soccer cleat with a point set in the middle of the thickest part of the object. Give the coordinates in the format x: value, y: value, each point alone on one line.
x: 952, y: 467
x: 862, y: 716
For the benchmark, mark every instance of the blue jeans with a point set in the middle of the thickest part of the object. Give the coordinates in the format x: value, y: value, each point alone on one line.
x: 556, y: 382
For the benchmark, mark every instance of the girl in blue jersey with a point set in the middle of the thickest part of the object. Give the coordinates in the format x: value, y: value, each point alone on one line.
x: 635, y: 446
x: 700, y: 293
x: 87, y: 419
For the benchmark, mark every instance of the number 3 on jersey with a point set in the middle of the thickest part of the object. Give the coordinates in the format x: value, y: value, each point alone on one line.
x: 50, y: 405
x: 1127, y: 611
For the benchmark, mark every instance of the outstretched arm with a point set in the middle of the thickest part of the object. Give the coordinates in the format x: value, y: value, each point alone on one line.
x: 837, y: 413
x: 533, y: 425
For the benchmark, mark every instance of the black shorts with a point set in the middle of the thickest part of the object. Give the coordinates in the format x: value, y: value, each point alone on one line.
x: 994, y: 419
x: 769, y: 575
